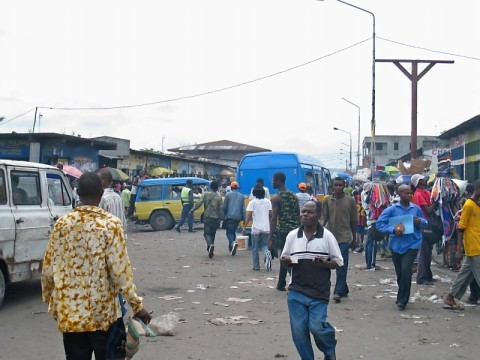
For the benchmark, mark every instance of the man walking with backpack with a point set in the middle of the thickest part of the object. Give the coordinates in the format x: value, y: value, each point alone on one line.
x: 212, y: 215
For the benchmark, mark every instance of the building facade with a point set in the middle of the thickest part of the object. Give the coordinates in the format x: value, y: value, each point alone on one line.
x: 391, y: 148
x: 52, y: 148
x: 464, y: 143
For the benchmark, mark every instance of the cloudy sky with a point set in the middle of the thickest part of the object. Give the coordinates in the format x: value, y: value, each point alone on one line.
x: 269, y: 73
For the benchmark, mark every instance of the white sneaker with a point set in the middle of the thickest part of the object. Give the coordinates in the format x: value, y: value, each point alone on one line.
x: 234, y: 248
x: 268, y: 261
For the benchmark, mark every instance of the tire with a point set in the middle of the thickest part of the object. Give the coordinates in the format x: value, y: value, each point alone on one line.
x: 161, y: 220
x: 3, y: 286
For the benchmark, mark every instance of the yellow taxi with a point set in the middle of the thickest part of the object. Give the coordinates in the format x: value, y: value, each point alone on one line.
x: 158, y: 201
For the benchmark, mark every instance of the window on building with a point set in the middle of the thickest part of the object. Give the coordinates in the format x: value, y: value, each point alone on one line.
x: 472, y: 148
x: 395, y: 146
x: 380, y: 146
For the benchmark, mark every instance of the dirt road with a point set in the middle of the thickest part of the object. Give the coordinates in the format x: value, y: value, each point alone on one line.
x: 173, y: 273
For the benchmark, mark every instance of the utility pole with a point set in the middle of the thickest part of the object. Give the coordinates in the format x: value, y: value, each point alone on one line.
x: 414, y: 77
x: 373, y: 122
x: 34, y: 119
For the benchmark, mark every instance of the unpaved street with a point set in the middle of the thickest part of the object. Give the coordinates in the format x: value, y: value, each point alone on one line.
x: 173, y: 273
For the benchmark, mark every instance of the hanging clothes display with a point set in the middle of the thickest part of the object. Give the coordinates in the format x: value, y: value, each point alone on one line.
x: 377, y: 198
x: 445, y: 192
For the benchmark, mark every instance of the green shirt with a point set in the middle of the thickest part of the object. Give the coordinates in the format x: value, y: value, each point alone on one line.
x: 213, y: 205
x: 339, y: 215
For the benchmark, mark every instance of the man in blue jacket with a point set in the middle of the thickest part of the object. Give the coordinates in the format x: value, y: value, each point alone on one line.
x: 403, y: 243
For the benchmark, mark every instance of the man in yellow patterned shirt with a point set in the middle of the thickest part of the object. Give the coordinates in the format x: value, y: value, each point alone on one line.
x: 86, y: 265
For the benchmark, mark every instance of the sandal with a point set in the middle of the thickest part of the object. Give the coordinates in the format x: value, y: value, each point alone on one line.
x: 453, y: 307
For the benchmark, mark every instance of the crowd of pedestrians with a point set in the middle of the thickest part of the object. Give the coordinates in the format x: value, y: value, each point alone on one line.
x: 311, y: 237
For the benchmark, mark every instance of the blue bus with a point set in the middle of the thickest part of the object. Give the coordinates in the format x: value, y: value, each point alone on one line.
x: 296, y: 167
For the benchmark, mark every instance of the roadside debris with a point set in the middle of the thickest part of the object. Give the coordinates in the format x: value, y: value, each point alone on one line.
x: 234, y: 299
x: 169, y: 297
x: 220, y: 303
x: 164, y: 325
x: 234, y: 320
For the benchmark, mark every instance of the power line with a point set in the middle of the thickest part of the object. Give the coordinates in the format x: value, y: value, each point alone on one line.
x: 239, y: 84
x: 211, y: 91
x: 423, y: 48
x: 16, y: 117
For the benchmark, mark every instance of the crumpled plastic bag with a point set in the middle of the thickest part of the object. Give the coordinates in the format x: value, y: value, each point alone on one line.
x: 164, y: 325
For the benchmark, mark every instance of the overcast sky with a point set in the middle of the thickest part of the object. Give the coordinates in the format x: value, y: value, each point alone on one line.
x: 93, y: 54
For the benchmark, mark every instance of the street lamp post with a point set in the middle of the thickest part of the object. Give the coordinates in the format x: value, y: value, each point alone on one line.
x: 349, y: 133
x: 358, y: 140
x: 372, y: 144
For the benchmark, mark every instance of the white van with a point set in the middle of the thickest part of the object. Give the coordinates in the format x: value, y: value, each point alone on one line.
x: 32, y: 197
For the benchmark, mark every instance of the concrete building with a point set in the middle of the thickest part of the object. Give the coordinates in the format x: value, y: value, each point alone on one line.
x: 464, y: 144
x: 52, y: 148
x: 390, y: 148
x: 117, y: 158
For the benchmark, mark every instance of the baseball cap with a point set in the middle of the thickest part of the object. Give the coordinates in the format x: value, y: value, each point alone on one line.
x: 415, y: 179
x: 302, y: 186
x: 234, y: 185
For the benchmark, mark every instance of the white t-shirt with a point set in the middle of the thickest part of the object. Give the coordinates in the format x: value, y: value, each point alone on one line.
x: 260, y: 209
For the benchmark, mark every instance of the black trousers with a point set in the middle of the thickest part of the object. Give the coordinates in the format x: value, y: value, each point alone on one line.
x: 80, y: 346
x: 403, y: 269
x: 424, y: 271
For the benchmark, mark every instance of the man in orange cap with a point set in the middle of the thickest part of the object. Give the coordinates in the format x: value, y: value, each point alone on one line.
x: 302, y: 195
x: 234, y: 210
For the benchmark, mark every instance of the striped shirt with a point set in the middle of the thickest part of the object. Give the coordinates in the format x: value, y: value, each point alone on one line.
x: 112, y: 203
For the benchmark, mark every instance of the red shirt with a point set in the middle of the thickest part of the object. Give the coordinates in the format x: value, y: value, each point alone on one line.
x: 421, y: 197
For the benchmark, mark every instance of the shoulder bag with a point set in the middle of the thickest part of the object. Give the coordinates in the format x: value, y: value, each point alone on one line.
x: 433, y: 232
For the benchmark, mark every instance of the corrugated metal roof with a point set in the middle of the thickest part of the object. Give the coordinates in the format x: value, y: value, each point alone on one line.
x: 219, y: 145
x: 466, y: 125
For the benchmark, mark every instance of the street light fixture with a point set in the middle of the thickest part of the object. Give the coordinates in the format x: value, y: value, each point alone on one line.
x: 372, y: 144
x: 349, y: 133
x: 358, y: 140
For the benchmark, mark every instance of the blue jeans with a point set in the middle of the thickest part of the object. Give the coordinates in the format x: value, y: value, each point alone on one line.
x: 308, y: 315
x: 231, y: 227
x: 259, y: 241
x: 341, y: 287
x: 370, y: 251
x: 186, y: 216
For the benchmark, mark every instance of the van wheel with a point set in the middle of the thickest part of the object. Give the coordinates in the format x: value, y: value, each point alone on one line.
x: 161, y: 220
x: 2, y: 287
